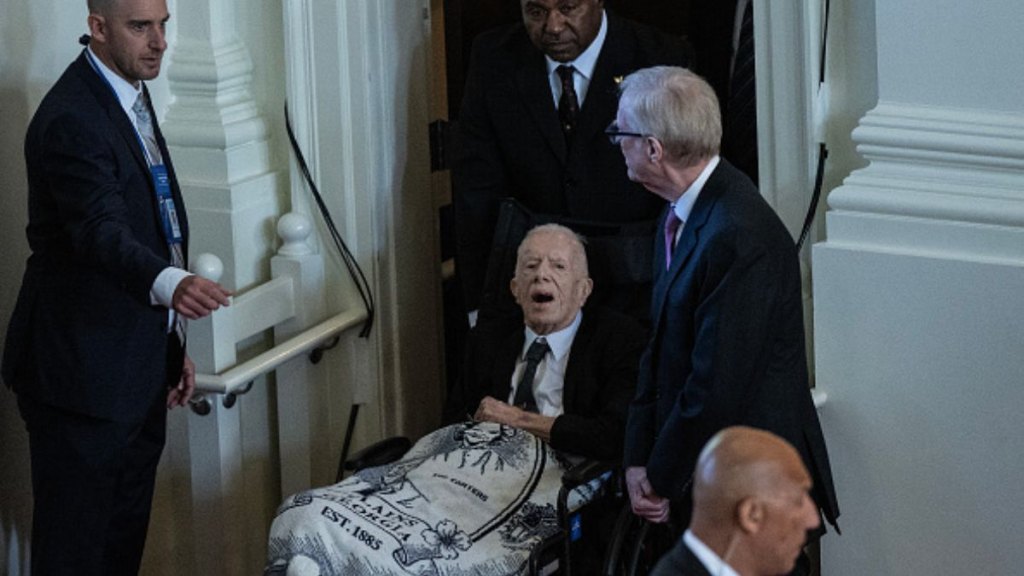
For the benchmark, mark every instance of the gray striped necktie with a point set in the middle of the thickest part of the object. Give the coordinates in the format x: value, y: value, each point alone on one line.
x: 144, y: 122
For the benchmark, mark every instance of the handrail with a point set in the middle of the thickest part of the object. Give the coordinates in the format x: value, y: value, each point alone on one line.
x: 236, y: 379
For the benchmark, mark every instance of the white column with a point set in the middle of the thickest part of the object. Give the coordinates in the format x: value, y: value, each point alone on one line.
x: 218, y: 139
x: 215, y: 481
x: 918, y: 306
x: 303, y: 410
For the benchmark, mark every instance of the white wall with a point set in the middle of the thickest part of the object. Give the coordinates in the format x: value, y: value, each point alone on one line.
x: 918, y: 315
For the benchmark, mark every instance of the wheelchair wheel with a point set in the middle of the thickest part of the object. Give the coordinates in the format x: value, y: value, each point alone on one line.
x: 636, y: 545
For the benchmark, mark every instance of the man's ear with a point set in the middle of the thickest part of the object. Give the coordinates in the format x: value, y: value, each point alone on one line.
x: 586, y: 286
x: 97, y: 27
x: 655, y: 151
x: 750, y: 515
x: 515, y: 293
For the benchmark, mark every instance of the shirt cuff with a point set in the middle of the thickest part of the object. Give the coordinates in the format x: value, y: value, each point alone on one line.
x: 166, y: 282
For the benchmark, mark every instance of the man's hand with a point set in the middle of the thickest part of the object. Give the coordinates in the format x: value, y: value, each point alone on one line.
x: 646, y: 504
x: 180, y: 394
x: 196, y: 297
x: 493, y: 410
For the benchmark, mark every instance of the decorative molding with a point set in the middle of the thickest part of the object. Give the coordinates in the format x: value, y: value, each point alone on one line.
x: 213, y: 105
x: 949, y: 164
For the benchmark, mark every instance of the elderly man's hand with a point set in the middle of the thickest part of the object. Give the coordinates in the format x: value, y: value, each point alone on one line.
x: 494, y: 410
x: 646, y: 504
x: 196, y: 297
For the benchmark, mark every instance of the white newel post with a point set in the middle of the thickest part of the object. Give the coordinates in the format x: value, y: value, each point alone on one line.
x: 918, y: 301
x: 218, y: 464
x: 302, y: 393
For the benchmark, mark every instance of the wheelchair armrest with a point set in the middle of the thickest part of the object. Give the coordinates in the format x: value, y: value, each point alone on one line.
x: 379, y: 453
x: 585, y: 472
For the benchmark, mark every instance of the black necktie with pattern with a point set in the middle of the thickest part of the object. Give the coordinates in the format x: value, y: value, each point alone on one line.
x: 568, y: 104
x: 524, y: 391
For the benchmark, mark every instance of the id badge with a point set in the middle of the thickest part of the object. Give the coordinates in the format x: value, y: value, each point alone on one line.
x: 168, y: 212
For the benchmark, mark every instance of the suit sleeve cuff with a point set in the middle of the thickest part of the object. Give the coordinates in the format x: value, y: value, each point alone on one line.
x: 162, y: 291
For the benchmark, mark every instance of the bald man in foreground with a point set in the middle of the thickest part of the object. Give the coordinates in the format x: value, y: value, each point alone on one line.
x: 752, y: 509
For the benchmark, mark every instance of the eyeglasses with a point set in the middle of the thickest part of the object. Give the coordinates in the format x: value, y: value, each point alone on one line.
x: 615, y: 135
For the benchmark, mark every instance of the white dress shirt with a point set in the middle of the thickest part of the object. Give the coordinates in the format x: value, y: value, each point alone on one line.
x: 714, y: 565
x: 550, y: 377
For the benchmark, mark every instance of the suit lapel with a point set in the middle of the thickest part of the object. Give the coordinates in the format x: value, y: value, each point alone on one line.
x: 574, y: 371
x: 104, y: 95
x: 602, y: 99
x: 110, y: 105
x: 685, y: 248
x: 660, y: 274
x: 535, y: 93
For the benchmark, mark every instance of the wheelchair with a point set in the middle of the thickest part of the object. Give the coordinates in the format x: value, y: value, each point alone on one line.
x: 620, y: 261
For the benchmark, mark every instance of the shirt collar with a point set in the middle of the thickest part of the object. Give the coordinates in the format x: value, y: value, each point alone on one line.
x: 559, y: 342
x: 707, y: 556
x: 684, y: 205
x: 126, y: 93
x: 587, y: 60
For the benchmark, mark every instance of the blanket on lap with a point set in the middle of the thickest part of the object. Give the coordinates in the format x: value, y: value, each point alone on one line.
x: 468, y: 499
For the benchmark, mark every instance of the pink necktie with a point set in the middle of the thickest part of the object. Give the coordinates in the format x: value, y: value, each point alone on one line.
x: 672, y: 223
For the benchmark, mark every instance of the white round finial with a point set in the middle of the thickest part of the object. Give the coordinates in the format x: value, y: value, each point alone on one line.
x: 208, y: 266
x: 294, y: 228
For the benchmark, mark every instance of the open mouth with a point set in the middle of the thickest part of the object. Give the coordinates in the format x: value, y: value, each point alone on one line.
x: 541, y: 297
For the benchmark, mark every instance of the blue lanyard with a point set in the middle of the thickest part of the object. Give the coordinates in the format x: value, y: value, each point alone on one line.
x: 158, y: 173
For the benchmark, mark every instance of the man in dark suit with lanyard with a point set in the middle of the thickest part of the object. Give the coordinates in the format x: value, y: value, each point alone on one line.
x: 95, y: 346
x: 566, y: 374
x: 538, y: 95
x: 727, y: 345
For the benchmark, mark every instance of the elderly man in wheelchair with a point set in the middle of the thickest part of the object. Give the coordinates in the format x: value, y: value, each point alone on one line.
x: 484, y: 495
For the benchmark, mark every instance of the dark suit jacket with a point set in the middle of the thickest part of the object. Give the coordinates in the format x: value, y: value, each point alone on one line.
x: 83, y: 335
x: 600, y: 378
x: 680, y: 561
x: 511, y: 144
x: 727, y: 343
